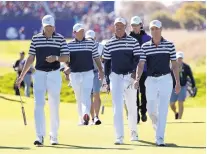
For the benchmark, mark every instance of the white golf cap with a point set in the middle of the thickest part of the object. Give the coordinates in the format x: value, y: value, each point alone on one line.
x: 90, y: 34
x: 77, y: 27
x: 122, y: 20
x: 48, y: 20
x: 136, y: 20
x: 179, y: 55
x: 155, y: 23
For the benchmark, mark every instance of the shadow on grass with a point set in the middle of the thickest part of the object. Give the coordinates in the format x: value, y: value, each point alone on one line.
x: 168, y: 145
x: 187, y: 122
x: 15, y: 148
x: 67, y: 146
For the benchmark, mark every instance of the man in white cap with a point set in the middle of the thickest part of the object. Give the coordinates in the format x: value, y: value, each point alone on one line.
x: 82, y: 53
x: 95, y: 96
x: 50, y: 49
x: 141, y: 36
x: 121, y: 56
x: 184, y: 73
x: 158, y: 52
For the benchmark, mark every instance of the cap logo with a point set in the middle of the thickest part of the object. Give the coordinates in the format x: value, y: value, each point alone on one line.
x: 48, y: 19
x: 78, y: 26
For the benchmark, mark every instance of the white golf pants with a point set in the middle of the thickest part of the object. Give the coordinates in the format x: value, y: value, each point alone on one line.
x: 50, y: 82
x: 82, y: 83
x: 122, y: 88
x: 158, y: 92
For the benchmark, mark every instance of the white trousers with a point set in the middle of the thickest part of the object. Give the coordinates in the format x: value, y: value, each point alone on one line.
x: 158, y: 92
x: 122, y: 88
x: 82, y: 83
x: 50, y: 82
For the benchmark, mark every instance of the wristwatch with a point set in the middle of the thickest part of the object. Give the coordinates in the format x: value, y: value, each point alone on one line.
x: 56, y: 58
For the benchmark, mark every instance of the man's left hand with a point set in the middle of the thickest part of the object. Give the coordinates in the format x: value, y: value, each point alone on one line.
x: 177, y: 88
x: 101, y: 75
x: 133, y: 75
x: 51, y: 59
x: 136, y: 84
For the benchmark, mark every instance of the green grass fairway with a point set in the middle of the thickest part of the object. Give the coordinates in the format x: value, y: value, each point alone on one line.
x: 185, y: 136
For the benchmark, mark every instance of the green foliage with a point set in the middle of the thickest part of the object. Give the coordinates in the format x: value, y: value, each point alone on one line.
x: 191, y: 15
x: 7, y: 82
x: 67, y: 94
x: 166, y: 19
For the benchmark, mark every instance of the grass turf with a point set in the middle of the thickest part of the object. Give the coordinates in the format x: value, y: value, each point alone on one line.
x: 182, y: 136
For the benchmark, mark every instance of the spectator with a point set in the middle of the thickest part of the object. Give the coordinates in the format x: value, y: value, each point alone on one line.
x: 18, y: 66
x: 95, y: 15
x: 27, y: 79
x: 18, y: 70
x: 184, y: 72
x: 22, y: 33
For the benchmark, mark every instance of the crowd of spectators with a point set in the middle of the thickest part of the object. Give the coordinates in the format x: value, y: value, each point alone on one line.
x: 94, y: 15
x: 21, y: 10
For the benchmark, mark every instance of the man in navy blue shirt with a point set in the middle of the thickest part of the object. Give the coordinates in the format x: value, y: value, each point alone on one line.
x: 141, y: 36
x: 50, y: 49
x: 158, y: 53
x: 82, y: 53
x: 121, y: 55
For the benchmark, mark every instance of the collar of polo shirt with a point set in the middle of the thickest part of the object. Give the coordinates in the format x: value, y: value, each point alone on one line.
x: 81, y: 40
x: 152, y: 42
x: 43, y: 33
x: 125, y: 35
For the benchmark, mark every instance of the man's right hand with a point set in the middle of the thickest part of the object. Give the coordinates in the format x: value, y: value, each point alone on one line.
x: 19, y: 81
x: 108, y: 88
x: 67, y: 77
x: 67, y: 72
x: 136, y: 84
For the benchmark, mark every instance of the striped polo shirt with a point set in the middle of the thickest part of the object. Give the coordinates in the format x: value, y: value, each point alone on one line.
x: 43, y: 47
x: 124, y: 54
x: 82, y: 54
x: 158, y: 57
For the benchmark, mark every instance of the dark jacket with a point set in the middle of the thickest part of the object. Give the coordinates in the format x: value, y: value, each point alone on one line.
x: 184, y: 74
x: 16, y: 65
x: 141, y: 38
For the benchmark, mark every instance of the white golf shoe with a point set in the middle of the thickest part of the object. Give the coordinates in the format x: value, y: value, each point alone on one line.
x: 119, y: 141
x: 53, y: 140
x: 134, y: 136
